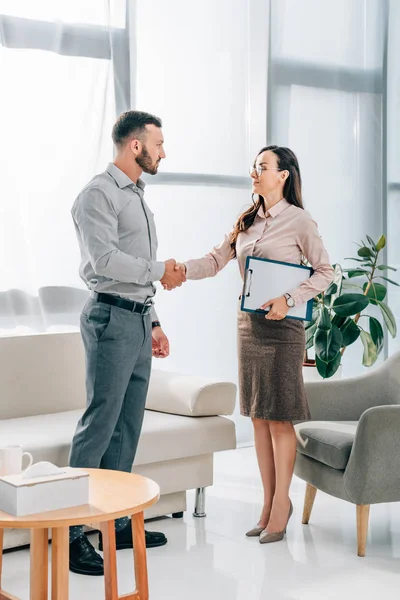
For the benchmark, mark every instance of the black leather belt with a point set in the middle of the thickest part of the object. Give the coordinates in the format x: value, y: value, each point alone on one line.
x: 131, y: 305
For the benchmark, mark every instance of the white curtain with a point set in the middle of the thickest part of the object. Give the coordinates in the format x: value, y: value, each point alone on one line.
x: 202, y: 67
x: 57, y: 106
x: 326, y: 101
x: 393, y: 158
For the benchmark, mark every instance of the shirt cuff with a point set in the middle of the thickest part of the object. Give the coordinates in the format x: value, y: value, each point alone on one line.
x: 157, y: 271
x: 296, y: 297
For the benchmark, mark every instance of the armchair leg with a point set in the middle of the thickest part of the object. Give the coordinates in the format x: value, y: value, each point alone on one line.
x: 308, y: 502
x: 362, y: 527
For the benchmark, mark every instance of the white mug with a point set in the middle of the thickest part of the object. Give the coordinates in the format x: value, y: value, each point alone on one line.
x: 11, y: 460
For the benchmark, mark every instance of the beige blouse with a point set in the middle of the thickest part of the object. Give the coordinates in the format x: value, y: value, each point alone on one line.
x: 285, y: 233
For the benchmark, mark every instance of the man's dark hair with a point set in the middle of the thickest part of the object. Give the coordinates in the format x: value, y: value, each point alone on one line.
x: 132, y: 124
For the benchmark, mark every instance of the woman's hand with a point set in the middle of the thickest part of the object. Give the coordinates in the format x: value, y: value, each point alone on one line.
x: 180, y: 266
x: 279, y: 309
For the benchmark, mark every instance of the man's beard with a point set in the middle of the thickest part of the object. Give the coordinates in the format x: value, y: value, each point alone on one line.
x: 144, y: 161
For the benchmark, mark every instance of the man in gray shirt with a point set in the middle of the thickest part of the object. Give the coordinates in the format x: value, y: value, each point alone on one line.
x: 119, y: 325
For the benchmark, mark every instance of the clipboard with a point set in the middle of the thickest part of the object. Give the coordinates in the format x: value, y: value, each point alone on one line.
x: 266, y: 279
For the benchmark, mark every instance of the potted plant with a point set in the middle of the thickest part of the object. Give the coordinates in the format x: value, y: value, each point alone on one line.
x: 340, y: 317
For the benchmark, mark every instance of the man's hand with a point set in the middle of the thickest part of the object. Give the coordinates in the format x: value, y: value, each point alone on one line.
x: 160, y: 343
x: 279, y: 309
x: 172, y: 277
x: 180, y: 267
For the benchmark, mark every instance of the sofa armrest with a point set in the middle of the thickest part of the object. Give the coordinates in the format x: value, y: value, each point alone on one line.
x: 373, y: 472
x: 348, y: 399
x: 190, y: 395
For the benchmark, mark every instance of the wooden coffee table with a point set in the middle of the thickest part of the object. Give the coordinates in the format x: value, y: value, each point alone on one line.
x: 113, y: 494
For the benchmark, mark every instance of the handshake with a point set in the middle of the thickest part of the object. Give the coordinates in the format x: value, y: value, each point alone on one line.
x: 174, y: 275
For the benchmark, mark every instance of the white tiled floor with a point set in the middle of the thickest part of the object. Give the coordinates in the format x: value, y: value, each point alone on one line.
x: 211, y: 558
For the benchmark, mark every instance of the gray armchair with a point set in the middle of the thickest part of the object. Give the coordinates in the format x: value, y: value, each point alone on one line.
x: 353, y: 442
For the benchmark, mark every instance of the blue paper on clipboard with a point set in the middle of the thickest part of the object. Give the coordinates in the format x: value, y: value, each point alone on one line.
x: 266, y: 279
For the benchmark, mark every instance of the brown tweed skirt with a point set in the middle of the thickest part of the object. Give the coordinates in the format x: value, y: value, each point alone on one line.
x: 270, y: 368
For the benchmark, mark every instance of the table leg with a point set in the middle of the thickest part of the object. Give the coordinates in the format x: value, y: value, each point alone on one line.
x: 110, y: 560
x: 39, y: 564
x: 60, y: 564
x: 1, y: 553
x: 139, y: 551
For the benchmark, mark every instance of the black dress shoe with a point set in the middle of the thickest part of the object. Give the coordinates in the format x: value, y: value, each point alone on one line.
x: 123, y: 539
x: 83, y: 558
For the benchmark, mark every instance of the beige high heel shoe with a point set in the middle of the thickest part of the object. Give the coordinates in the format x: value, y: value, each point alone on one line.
x: 268, y: 538
x: 255, y: 532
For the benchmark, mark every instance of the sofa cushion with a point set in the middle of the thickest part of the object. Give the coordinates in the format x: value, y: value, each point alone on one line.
x: 41, y: 374
x: 164, y: 436
x: 190, y: 395
x: 328, y: 445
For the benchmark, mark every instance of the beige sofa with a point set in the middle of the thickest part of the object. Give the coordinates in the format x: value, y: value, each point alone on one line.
x: 42, y: 395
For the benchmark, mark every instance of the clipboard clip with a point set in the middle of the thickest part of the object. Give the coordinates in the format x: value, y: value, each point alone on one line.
x: 248, y: 282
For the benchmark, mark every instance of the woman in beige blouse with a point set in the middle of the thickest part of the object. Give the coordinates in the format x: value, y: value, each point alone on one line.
x: 270, y: 347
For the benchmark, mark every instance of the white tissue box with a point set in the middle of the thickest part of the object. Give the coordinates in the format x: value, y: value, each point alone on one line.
x: 20, y: 496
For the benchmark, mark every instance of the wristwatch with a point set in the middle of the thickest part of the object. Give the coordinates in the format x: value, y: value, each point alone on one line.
x: 155, y: 324
x: 289, y: 300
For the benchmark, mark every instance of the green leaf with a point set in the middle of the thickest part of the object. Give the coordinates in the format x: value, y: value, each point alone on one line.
x: 389, y: 318
x: 389, y: 280
x: 310, y: 343
x: 328, y: 369
x: 371, y: 242
x: 314, y: 316
x: 350, y: 332
x: 365, y: 252
x: 376, y: 293
x: 348, y: 305
x: 357, y: 273
x: 324, y: 321
x: 327, y: 343
x: 370, y: 352
x: 310, y: 332
x: 348, y: 284
x: 337, y: 278
x: 356, y: 259
x: 377, y: 334
x: 381, y: 243
x: 332, y: 289
x: 338, y: 321
x: 386, y: 268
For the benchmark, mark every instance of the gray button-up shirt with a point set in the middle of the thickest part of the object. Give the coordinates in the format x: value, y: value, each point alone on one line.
x: 117, y: 237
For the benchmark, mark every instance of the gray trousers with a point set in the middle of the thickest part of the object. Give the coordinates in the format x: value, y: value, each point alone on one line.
x: 118, y: 363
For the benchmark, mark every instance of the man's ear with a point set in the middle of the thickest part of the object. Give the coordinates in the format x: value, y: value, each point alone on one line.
x: 135, y: 146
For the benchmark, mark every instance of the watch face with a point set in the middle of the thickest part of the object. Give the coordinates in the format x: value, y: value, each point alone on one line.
x: 289, y: 301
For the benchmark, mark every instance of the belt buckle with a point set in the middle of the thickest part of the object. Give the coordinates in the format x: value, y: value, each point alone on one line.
x: 146, y: 309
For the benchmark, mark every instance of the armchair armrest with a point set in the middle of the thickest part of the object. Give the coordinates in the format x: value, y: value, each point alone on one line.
x: 190, y: 395
x: 372, y: 474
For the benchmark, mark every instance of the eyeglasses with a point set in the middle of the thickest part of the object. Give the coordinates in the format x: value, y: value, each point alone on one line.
x: 258, y: 169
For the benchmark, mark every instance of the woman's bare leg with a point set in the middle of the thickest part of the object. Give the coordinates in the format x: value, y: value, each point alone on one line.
x: 284, y: 447
x: 265, y: 458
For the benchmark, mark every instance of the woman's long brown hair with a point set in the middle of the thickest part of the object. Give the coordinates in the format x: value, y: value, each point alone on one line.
x: 287, y: 161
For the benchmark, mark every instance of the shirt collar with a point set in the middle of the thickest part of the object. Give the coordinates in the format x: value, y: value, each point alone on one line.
x: 275, y: 210
x: 121, y: 179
